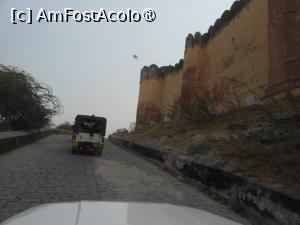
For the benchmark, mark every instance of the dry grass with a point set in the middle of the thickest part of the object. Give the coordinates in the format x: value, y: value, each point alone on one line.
x: 270, y: 163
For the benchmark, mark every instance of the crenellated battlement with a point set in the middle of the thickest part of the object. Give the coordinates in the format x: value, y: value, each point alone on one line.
x: 155, y: 72
x: 224, y: 20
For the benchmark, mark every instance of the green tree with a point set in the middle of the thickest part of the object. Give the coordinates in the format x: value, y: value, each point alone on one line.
x: 24, y: 102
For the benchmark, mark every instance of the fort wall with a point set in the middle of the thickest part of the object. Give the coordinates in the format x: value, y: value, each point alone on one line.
x: 171, y: 92
x: 253, y: 48
x: 159, y: 88
x: 235, y: 54
x: 284, y: 45
x: 239, y: 51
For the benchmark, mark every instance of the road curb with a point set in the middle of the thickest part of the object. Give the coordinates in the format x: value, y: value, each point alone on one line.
x: 282, y: 207
x: 16, y: 141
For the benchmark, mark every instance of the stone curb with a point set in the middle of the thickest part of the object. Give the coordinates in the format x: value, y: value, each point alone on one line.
x: 283, y: 208
x: 18, y: 140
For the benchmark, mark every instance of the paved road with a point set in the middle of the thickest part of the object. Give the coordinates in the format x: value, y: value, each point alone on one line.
x: 46, y: 171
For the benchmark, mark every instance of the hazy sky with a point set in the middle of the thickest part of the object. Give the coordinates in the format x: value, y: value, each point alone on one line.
x: 90, y: 65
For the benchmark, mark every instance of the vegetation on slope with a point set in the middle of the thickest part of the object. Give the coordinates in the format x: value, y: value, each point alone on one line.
x: 261, y: 141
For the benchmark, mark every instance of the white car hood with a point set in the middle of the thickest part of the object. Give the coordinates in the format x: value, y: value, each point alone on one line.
x: 114, y: 213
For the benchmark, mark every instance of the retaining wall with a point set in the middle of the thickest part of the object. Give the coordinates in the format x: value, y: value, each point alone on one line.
x: 282, y: 207
x: 15, y: 139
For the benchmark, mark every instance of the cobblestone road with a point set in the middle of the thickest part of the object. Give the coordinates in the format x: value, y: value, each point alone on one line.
x: 46, y: 171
